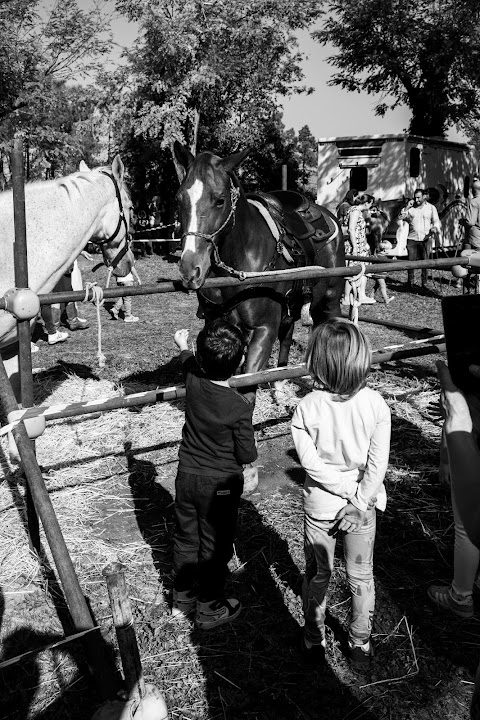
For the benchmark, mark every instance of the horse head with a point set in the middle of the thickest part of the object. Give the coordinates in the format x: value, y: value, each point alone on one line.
x: 113, y: 223
x: 207, y: 200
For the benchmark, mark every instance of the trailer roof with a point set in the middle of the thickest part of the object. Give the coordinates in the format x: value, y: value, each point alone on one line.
x: 406, y: 137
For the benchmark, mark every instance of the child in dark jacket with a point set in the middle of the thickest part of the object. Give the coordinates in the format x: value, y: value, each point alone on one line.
x: 217, y: 440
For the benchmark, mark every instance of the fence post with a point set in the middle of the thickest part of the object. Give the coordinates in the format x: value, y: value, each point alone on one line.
x: 23, y: 326
x: 101, y: 669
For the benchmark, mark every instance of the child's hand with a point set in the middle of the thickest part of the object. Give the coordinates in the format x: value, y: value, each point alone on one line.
x: 181, y: 339
x: 350, y: 518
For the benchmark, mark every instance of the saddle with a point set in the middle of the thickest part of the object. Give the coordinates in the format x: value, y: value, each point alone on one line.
x: 302, y: 224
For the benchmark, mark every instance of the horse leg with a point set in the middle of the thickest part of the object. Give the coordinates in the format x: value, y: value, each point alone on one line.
x: 259, y: 349
x: 326, y: 299
x: 285, y: 336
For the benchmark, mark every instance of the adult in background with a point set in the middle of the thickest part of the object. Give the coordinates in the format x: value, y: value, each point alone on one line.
x: 357, y: 240
x: 471, y: 222
x: 464, y: 462
x: 423, y: 224
x: 344, y: 207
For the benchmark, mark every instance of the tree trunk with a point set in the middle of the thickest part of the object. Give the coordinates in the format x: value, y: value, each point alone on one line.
x: 196, y: 125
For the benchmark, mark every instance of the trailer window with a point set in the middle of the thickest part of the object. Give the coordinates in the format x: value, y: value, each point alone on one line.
x: 359, y: 178
x: 466, y: 186
x: 414, y: 162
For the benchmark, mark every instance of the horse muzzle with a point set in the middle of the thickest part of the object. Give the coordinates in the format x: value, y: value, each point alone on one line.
x: 191, y: 273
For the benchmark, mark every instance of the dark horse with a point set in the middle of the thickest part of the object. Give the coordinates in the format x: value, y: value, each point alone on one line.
x: 223, y: 233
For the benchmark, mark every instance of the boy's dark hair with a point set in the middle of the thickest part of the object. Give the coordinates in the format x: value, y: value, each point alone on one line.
x: 220, y: 346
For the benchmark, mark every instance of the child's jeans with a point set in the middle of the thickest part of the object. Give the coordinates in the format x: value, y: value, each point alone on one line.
x: 319, y: 553
x: 126, y: 300
x: 206, y: 510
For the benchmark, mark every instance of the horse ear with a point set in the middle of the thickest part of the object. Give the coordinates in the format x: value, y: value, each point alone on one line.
x: 83, y: 167
x: 232, y: 161
x: 183, y: 156
x: 118, y: 169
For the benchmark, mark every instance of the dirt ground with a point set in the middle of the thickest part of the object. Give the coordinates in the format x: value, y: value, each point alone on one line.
x: 111, y: 480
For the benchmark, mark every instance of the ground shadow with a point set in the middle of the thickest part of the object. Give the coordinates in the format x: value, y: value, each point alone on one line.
x: 169, y: 373
x: 252, y: 668
x: 413, y: 549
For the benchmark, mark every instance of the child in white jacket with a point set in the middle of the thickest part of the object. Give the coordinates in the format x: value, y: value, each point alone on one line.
x: 342, y: 436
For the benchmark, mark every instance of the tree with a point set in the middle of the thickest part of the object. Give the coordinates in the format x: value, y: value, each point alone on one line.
x: 306, y: 151
x: 44, y: 46
x: 422, y: 53
x: 221, y: 62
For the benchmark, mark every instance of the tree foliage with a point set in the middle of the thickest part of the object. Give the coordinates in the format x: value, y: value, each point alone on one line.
x: 216, y: 62
x: 422, y: 53
x: 43, y: 46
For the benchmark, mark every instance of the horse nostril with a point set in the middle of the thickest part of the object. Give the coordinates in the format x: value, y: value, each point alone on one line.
x: 197, y: 271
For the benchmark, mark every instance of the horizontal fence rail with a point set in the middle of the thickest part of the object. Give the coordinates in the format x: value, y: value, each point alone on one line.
x: 261, y: 278
x: 57, y: 412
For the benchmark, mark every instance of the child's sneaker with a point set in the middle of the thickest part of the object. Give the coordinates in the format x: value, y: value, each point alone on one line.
x: 217, y: 612
x: 442, y: 595
x: 130, y: 318
x: 78, y: 323
x: 360, y: 656
x: 114, y: 314
x: 184, y: 603
x: 57, y: 337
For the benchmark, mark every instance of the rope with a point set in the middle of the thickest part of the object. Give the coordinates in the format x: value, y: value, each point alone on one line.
x: 351, y: 293
x: 97, y: 298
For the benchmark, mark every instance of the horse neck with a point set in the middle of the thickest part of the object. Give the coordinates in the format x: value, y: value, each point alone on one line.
x: 61, y: 217
x: 251, y: 242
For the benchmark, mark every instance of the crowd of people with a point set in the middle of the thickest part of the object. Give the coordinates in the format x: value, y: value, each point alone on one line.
x: 418, y: 220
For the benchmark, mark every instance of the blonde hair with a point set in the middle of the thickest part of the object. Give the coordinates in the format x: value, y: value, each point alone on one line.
x: 339, y: 357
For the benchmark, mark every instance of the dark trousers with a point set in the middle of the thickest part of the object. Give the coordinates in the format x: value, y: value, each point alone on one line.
x: 206, y: 510
x: 418, y: 251
x: 51, y: 315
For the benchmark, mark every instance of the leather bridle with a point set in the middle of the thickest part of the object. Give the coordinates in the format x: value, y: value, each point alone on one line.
x: 121, y: 220
x: 234, y: 195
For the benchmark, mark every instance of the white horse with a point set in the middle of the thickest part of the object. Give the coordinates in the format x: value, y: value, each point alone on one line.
x: 62, y: 216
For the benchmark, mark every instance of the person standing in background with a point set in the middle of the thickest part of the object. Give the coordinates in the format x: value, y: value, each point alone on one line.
x: 423, y: 223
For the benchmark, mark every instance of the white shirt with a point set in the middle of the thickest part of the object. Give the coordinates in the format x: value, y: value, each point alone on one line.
x: 421, y: 220
x: 343, y: 446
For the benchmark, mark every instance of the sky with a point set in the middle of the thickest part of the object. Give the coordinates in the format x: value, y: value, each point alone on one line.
x: 328, y: 111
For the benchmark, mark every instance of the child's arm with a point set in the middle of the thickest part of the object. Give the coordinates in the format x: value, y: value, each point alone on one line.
x: 181, y: 339
x: 331, y: 480
x: 377, y: 462
x: 350, y: 518
x: 245, y: 448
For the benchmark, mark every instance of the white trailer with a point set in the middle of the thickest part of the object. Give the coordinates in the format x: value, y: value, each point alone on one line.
x: 391, y: 167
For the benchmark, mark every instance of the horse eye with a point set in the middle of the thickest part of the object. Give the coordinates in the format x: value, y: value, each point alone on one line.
x: 220, y: 202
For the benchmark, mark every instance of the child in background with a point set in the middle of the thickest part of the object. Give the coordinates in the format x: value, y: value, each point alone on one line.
x: 217, y: 440
x: 380, y: 278
x: 125, y: 275
x: 342, y: 436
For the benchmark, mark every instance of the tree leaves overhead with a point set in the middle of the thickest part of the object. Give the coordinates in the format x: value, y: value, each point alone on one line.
x: 421, y: 53
x: 223, y: 61
x: 43, y: 45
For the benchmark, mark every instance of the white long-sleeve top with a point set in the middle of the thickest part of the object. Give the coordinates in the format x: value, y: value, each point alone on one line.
x: 343, y: 445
